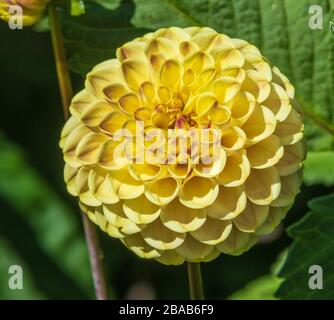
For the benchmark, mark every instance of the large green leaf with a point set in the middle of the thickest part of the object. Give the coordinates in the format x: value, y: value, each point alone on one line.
x: 95, y: 36
x: 319, y: 168
x: 313, y: 245
x: 54, y: 224
x: 280, y: 29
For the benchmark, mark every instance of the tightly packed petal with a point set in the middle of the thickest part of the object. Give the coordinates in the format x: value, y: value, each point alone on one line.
x: 187, y: 145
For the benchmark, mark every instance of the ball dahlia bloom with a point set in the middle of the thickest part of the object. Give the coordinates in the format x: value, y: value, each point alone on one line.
x: 179, y: 206
x: 33, y: 10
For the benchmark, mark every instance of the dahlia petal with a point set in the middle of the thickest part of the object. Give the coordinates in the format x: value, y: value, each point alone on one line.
x: 229, y: 204
x: 95, y: 113
x: 80, y: 103
x: 69, y: 178
x: 135, y: 72
x: 130, y: 50
x: 263, y: 186
x: 236, y: 170
x: 125, y: 186
x: 252, y: 217
x: 162, y: 191
x: 179, y: 218
x: 256, y: 83
x: 265, y: 153
x: 100, y: 186
x: 237, y: 242
x: 145, y: 172
x: 233, y: 138
x: 290, y: 130
x: 170, y: 257
x: 290, y: 186
x: 160, y: 237
x: 81, y: 185
x: 283, y: 81
x: 71, y: 143
x: 113, y: 122
x: 112, y: 156
x: 136, y: 243
x: 292, y: 159
x: 194, y: 250
x: 225, y: 89
x: 89, y: 148
x: 101, y: 76
x: 129, y: 103
x: 171, y: 74
x: 213, y: 231
x: 278, y: 102
x: 140, y: 210
x: 198, y: 192
x: 115, y: 215
x: 260, y: 125
x: 275, y: 216
x: 114, y: 91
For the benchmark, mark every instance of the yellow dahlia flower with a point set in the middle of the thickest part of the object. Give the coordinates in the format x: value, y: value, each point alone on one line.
x: 216, y: 193
x: 32, y: 10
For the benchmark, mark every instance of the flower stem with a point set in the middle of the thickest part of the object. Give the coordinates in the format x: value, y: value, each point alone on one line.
x: 95, y: 253
x: 195, y: 281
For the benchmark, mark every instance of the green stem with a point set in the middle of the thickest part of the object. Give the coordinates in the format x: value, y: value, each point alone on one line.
x: 95, y: 253
x: 195, y: 281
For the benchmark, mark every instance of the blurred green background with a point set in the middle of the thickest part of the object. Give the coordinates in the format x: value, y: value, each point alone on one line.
x: 40, y: 225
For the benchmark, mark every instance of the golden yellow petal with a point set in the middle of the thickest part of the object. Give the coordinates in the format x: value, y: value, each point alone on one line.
x: 179, y: 218
x: 236, y: 170
x: 237, y: 242
x: 275, y: 216
x: 140, y: 210
x: 292, y: 159
x: 136, y: 243
x: 265, y: 153
x: 291, y: 129
x: 263, y: 186
x: 260, y: 125
x: 115, y: 215
x: 252, y: 217
x: 213, y: 231
x: 170, y: 257
x: 125, y: 186
x: 229, y: 204
x: 89, y: 148
x: 198, y: 192
x: 162, y: 191
x: 290, y: 186
x: 160, y: 237
x: 193, y: 250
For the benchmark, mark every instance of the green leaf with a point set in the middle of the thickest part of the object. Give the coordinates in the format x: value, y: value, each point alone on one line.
x: 95, y: 36
x: 262, y: 288
x: 313, y: 245
x: 53, y: 223
x: 281, y: 32
x: 319, y: 168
